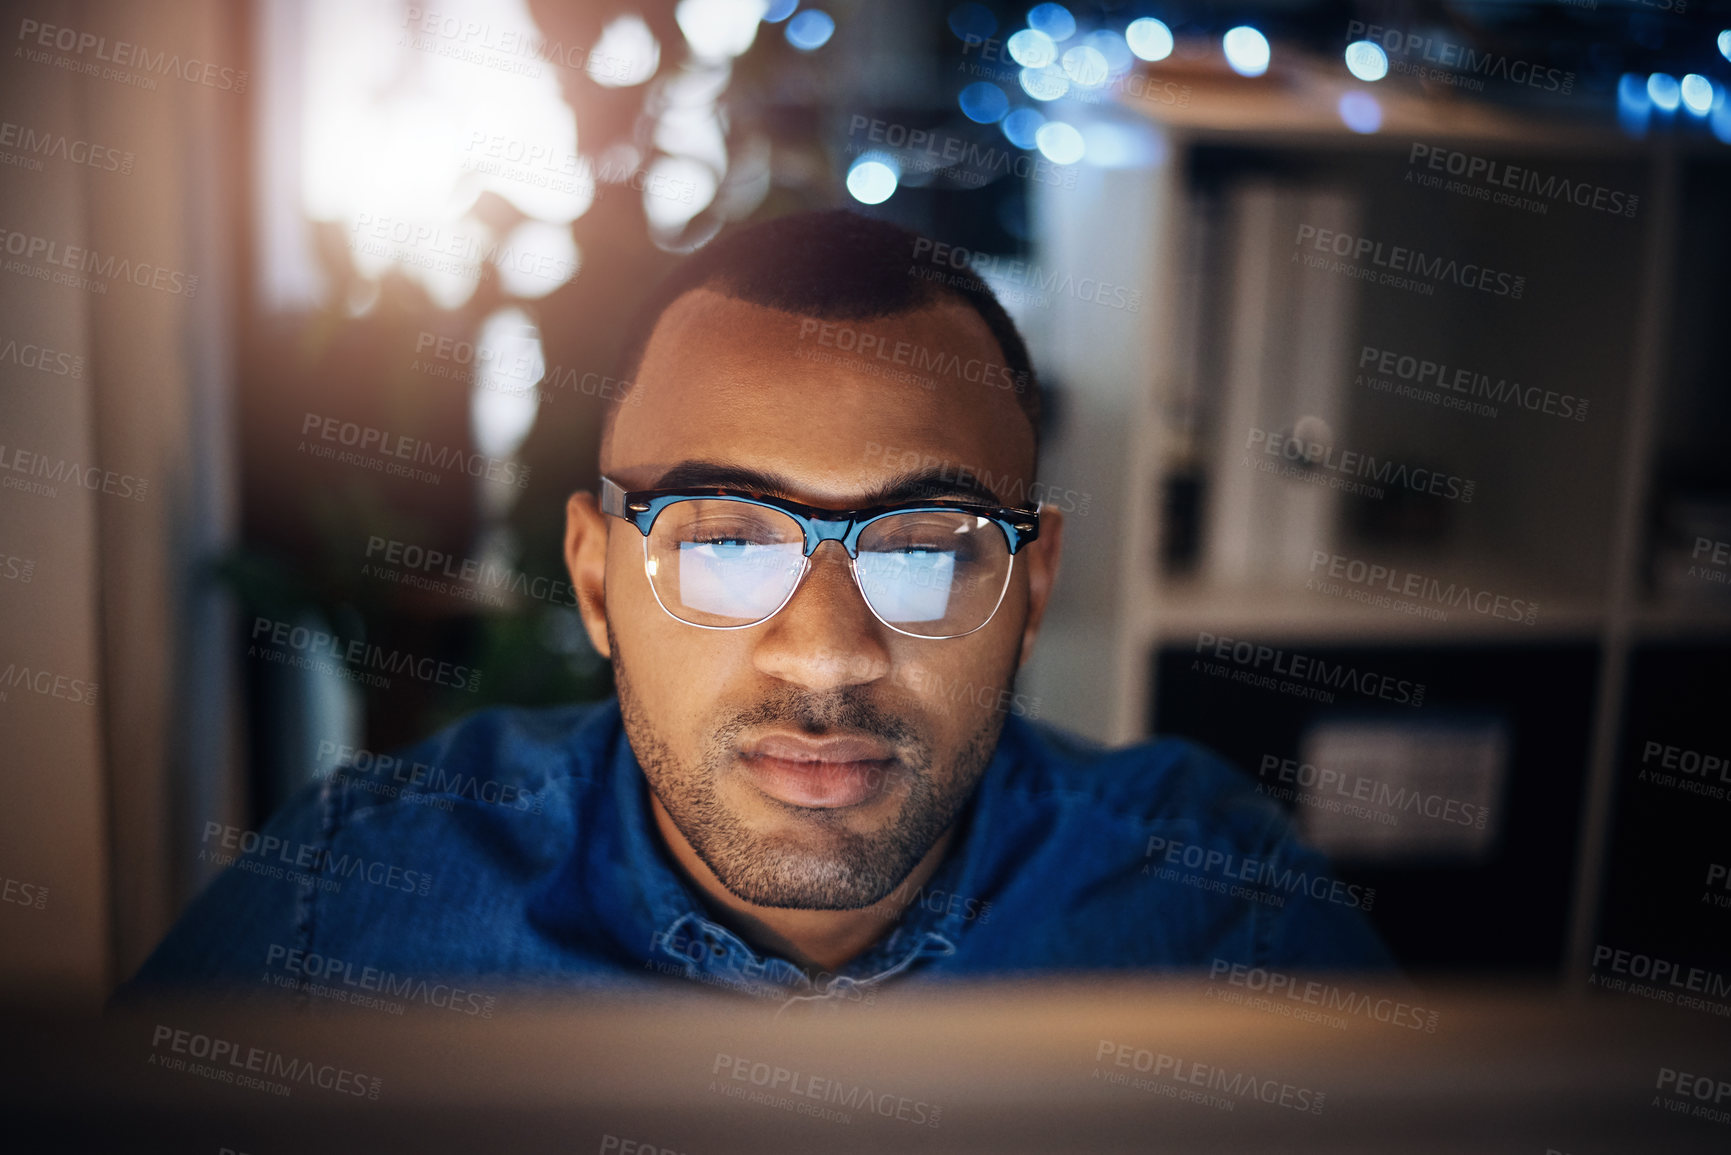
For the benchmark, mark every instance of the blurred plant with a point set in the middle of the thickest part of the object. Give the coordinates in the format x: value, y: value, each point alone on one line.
x: 674, y: 157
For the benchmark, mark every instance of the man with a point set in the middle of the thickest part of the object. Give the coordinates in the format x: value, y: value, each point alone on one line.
x: 815, y: 778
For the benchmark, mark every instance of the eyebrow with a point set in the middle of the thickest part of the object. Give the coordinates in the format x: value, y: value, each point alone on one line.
x: 911, y: 485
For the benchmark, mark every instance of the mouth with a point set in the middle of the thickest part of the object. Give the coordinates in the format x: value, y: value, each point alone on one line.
x: 819, y: 773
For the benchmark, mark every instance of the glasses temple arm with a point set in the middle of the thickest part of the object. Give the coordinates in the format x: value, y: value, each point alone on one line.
x: 612, y: 498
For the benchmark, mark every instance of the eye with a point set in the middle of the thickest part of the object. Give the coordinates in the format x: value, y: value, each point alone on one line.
x: 929, y: 535
x: 928, y: 547
x: 914, y: 544
x: 730, y: 531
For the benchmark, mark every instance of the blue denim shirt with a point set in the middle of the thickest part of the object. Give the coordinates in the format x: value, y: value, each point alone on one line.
x: 517, y: 846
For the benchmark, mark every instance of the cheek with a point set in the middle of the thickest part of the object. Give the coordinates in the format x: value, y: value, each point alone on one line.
x: 643, y: 627
x: 676, y: 670
x: 955, y: 687
x: 1001, y: 639
x: 955, y: 684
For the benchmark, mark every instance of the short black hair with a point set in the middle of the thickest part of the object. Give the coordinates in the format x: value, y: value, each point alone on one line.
x: 832, y: 265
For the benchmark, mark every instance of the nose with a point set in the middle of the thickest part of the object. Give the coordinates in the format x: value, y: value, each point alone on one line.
x: 826, y: 637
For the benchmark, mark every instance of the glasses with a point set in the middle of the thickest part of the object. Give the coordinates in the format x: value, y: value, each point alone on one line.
x: 725, y: 560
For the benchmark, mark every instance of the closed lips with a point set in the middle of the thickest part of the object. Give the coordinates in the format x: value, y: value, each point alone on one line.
x: 793, y: 748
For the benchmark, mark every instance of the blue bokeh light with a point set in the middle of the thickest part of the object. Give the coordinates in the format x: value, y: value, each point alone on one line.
x: 1366, y: 60
x: 1052, y: 19
x: 972, y: 20
x: 1663, y: 92
x: 1047, y: 83
x: 1060, y: 143
x: 1360, y: 112
x: 984, y: 102
x: 873, y: 178
x: 1112, y: 48
x: 1149, y: 38
x: 1247, y: 51
x: 810, y: 30
x: 1697, y: 93
x: 1634, y: 106
x: 1032, y: 48
x: 1720, y: 119
x: 1022, y: 127
x: 1086, y: 66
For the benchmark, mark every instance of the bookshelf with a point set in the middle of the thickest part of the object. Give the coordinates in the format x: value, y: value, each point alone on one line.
x: 1233, y: 340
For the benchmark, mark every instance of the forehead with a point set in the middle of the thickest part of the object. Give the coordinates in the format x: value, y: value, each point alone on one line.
x: 836, y: 406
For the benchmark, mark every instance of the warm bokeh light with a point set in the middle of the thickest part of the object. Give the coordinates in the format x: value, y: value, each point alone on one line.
x: 400, y: 141
x: 508, y: 362
x: 719, y: 30
x: 627, y: 54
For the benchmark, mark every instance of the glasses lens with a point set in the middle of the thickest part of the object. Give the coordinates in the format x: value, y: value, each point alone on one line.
x: 724, y: 563
x: 933, y: 573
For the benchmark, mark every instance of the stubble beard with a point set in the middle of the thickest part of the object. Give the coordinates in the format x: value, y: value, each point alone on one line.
x: 822, y: 865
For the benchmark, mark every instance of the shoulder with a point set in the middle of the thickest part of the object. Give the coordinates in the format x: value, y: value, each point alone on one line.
x: 1160, y: 853
x: 1164, y: 783
x: 509, y: 757
x: 475, y: 817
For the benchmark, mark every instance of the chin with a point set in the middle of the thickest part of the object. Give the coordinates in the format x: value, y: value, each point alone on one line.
x: 796, y: 874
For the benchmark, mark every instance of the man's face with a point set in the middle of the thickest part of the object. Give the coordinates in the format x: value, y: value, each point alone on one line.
x: 813, y: 759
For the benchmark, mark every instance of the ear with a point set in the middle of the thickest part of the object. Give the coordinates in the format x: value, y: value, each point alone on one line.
x: 586, y: 559
x: 1041, y: 558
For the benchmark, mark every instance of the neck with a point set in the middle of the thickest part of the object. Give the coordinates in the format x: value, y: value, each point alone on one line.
x: 822, y: 939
